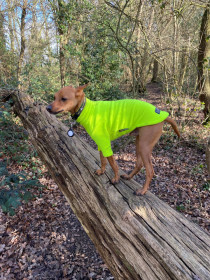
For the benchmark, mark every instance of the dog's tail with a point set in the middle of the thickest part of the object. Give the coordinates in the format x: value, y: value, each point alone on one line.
x: 174, y: 126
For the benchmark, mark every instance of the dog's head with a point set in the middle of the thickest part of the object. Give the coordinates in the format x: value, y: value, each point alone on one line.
x: 67, y: 99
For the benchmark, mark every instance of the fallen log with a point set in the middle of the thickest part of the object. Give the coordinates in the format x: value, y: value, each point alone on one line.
x: 137, y: 237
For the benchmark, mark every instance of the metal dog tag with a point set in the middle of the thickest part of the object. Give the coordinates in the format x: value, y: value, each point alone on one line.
x: 70, y: 133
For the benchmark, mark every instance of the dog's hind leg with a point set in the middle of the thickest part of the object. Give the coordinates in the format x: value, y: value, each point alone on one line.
x: 139, y: 163
x: 148, y: 137
x: 146, y: 158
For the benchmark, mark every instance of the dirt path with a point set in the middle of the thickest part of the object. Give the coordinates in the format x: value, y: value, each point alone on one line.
x: 154, y: 93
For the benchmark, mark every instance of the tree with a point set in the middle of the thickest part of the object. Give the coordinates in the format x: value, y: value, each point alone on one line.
x: 112, y: 44
x: 23, y: 42
x: 138, y: 237
x: 203, y: 75
x: 64, y: 16
x: 11, y: 25
x: 208, y: 159
x: 204, y: 63
x: 155, y: 71
x: 100, y: 58
x: 2, y: 47
x: 126, y: 30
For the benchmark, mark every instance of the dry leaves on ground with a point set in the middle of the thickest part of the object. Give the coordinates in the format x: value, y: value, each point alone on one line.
x: 46, y: 241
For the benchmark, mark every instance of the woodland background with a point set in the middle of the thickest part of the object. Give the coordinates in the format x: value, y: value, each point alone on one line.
x: 154, y: 50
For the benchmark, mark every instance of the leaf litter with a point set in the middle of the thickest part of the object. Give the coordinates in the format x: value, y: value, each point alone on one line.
x: 45, y: 240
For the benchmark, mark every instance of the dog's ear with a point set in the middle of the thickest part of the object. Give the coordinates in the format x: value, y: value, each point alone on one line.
x: 79, y: 89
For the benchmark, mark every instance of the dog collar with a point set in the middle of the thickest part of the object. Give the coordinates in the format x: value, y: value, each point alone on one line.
x: 78, y: 113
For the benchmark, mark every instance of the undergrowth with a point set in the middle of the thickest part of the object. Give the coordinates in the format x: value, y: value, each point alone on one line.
x: 16, y: 187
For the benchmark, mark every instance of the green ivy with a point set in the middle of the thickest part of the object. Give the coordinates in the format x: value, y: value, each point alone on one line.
x: 15, y: 148
x: 14, y: 189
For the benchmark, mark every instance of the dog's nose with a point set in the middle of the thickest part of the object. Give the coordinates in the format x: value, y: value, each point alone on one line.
x: 49, y: 108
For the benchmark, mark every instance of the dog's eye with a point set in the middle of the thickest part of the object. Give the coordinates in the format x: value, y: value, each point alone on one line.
x: 63, y: 99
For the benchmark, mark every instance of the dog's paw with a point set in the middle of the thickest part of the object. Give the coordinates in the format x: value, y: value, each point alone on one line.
x: 115, y: 181
x: 125, y: 177
x: 136, y: 193
x: 99, y: 172
x: 139, y: 192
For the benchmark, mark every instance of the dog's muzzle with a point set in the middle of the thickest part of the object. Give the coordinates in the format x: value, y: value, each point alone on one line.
x: 49, y: 109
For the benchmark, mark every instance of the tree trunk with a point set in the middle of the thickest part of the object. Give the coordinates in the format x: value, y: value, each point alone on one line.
x: 46, y: 28
x: 3, y: 64
x: 138, y: 237
x: 10, y: 25
x: 62, y: 59
x: 183, y: 67
x: 208, y: 159
x: 155, y: 71
x: 60, y: 8
x: 63, y: 41
x: 22, y: 48
x: 203, y: 63
x: 146, y: 60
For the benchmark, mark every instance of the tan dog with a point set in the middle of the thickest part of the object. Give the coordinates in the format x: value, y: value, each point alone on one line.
x: 70, y: 99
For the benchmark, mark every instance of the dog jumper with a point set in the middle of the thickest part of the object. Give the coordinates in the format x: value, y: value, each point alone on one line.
x: 105, y: 121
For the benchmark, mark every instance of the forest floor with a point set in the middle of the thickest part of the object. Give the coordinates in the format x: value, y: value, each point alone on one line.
x: 44, y: 240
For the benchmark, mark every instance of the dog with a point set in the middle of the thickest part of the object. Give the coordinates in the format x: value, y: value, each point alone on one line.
x: 105, y: 121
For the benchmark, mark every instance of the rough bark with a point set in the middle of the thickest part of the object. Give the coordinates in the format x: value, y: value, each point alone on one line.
x: 138, y: 237
x: 203, y: 63
x: 23, y: 40
x: 155, y: 71
x: 208, y: 159
x: 63, y: 41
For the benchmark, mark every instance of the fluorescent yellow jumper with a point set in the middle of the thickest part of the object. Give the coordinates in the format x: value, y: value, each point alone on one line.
x: 105, y: 121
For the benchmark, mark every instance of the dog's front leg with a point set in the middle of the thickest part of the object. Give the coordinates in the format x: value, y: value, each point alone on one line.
x: 115, y: 168
x: 103, y: 164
